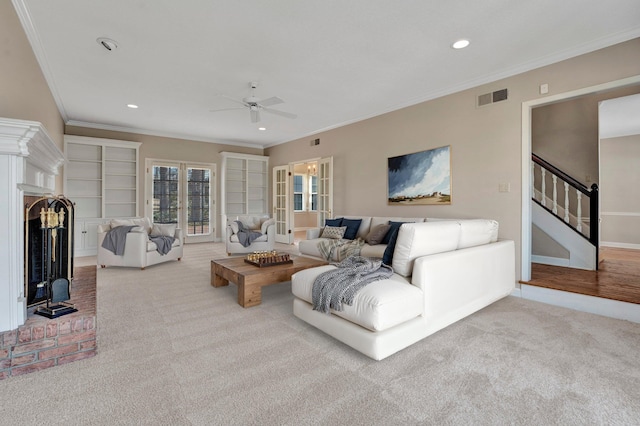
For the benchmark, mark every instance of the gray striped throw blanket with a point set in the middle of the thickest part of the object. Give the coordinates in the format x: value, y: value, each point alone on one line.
x: 333, y: 288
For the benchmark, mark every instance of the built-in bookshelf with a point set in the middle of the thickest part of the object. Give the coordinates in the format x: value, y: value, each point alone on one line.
x: 245, y: 185
x: 101, y: 178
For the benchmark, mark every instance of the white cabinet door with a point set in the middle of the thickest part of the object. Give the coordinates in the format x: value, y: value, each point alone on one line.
x: 86, y: 237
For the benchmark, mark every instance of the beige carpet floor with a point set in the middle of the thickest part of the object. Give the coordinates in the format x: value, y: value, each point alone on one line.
x: 172, y: 350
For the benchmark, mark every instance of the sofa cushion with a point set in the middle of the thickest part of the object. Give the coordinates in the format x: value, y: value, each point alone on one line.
x: 260, y: 239
x: 365, y: 225
x: 333, y: 222
x: 333, y: 232
x: 475, y: 232
x: 387, y: 256
x: 394, y: 226
x: 376, y: 251
x: 353, y: 225
x: 421, y: 239
x: 163, y: 230
x: 377, y: 306
x: 376, y: 234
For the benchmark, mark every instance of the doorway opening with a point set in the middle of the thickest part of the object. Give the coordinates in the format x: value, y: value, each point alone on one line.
x: 302, y: 197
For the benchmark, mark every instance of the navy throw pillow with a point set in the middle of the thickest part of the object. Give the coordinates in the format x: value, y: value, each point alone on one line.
x: 352, y: 227
x: 333, y: 222
x: 394, y: 227
x: 387, y: 257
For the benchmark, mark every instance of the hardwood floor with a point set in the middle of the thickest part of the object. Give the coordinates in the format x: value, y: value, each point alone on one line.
x: 617, y: 278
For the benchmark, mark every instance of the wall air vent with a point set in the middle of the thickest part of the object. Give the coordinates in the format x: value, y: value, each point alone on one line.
x: 315, y: 142
x: 493, y: 97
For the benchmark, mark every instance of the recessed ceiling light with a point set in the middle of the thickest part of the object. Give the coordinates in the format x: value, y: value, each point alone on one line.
x: 262, y: 128
x: 132, y: 106
x: 460, y: 44
x: 107, y: 43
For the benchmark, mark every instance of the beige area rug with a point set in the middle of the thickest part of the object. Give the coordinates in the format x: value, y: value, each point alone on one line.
x: 172, y: 350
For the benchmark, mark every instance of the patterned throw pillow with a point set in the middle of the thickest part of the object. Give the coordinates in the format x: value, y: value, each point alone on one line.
x: 333, y: 232
x: 376, y: 235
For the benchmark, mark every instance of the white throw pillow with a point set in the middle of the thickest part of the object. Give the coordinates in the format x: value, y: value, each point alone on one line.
x: 143, y: 222
x: 164, y: 230
x: 333, y: 232
x: 121, y: 222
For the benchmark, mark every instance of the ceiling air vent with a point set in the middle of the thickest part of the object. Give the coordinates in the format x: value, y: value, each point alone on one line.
x: 493, y: 97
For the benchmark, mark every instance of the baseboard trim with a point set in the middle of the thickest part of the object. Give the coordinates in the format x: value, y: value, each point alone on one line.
x: 554, y: 261
x: 620, y: 245
x: 580, y: 302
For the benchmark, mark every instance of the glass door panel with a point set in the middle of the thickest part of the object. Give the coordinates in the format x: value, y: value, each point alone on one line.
x: 183, y: 194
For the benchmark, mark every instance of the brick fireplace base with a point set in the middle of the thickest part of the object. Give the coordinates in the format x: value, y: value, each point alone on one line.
x: 42, y: 343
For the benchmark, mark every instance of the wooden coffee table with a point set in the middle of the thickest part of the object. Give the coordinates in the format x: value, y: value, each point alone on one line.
x: 250, y: 279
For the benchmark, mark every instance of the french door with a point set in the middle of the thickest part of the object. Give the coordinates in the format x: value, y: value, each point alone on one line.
x: 182, y: 193
x: 281, y: 204
x: 325, y: 190
x: 283, y: 208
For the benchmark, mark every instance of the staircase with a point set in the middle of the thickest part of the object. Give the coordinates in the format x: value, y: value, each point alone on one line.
x: 567, y: 211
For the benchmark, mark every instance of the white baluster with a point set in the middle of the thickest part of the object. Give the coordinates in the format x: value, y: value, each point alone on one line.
x: 555, y: 194
x: 543, y: 196
x: 579, y: 226
x: 566, y: 202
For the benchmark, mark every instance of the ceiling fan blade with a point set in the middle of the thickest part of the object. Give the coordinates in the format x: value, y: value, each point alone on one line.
x: 235, y: 100
x: 274, y: 100
x: 225, y: 109
x: 255, y: 115
x: 280, y: 113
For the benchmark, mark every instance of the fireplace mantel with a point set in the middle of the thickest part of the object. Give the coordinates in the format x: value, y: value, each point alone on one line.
x: 29, y: 163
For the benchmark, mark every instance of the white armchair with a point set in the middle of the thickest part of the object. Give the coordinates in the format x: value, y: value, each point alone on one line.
x: 139, y: 250
x: 262, y: 224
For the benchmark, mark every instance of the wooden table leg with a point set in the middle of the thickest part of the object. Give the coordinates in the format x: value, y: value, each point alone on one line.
x: 217, y: 280
x: 249, y: 295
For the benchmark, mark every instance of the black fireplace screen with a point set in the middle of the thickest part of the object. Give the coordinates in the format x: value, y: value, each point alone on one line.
x: 48, y: 246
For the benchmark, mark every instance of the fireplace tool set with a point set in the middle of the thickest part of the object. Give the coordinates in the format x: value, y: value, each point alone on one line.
x: 49, y: 257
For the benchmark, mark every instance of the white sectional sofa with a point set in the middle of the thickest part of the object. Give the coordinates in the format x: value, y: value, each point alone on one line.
x: 443, y: 272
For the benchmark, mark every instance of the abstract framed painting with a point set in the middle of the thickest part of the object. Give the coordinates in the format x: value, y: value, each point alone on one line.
x: 421, y: 178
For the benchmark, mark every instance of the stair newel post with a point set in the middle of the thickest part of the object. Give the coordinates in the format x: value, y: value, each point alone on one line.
x: 594, y: 215
x: 566, y: 202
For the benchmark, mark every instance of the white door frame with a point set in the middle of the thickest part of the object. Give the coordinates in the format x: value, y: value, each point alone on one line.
x: 525, y: 248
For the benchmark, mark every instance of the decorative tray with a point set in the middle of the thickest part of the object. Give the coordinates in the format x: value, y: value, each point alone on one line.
x: 270, y: 258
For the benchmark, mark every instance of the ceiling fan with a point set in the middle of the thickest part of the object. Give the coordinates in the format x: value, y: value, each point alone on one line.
x: 256, y: 105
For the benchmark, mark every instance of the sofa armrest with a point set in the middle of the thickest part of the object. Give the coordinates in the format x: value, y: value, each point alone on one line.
x: 271, y: 232
x: 179, y: 235
x: 313, y: 233
x: 450, y: 289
